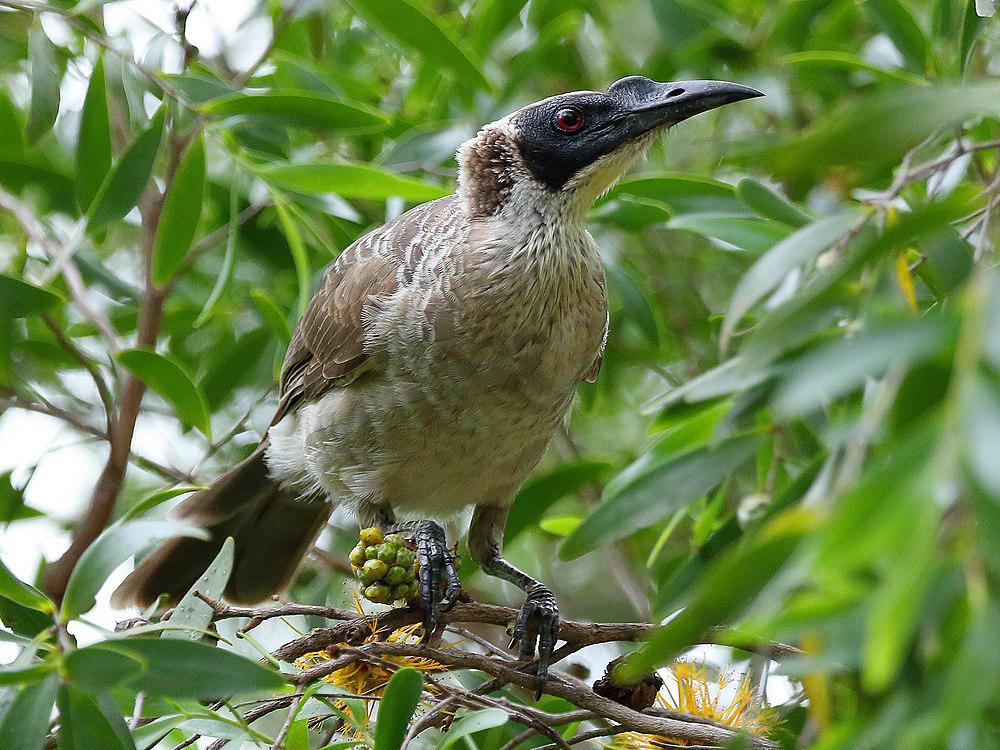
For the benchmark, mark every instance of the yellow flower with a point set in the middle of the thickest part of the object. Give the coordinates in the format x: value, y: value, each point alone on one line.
x: 365, y: 678
x: 694, y: 693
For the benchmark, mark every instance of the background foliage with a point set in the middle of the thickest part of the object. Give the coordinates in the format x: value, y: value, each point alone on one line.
x: 797, y: 428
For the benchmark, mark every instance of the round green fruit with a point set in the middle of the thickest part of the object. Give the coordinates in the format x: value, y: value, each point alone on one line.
x: 371, y: 536
x: 387, y: 553
x: 378, y: 593
x: 400, y: 592
x: 374, y: 570
x: 404, y: 558
x: 371, y: 553
x: 357, y: 556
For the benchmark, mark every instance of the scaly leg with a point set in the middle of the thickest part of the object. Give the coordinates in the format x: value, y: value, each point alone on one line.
x: 434, y: 558
x: 539, y: 615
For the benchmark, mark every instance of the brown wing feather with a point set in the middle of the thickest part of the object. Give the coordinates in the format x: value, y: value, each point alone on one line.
x: 328, y: 346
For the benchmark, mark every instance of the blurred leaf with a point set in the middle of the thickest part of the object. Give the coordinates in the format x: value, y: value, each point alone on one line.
x: 165, y: 375
x: 189, y: 669
x: 127, y: 179
x: 972, y: 26
x: 682, y: 193
x: 744, y: 232
x: 837, y: 59
x: 93, y: 145
x: 12, y: 507
x: 298, y: 250
x: 654, y: 496
x: 300, y: 108
x: 724, y: 590
x: 880, y: 128
x: 770, y: 205
x: 731, y: 376
x: 11, y: 130
x: 900, y: 25
x: 362, y: 181
x: 272, y: 316
x: 770, y: 269
x: 26, y: 721
x: 399, y: 701
x: 151, y: 501
x: 84, y: 726
x: 830, y: 371
x: 24, y: 594
x: 45, y: 78
x: 981, y: 412
x: 19, y: 299
x: 414, y: 28
x: 561, y: 526
x: 634, y: 299
x: 115, y: 544
x: 18, y: 674
x: 541, y: 491
x: 191, y: 611
x: 178, y: 222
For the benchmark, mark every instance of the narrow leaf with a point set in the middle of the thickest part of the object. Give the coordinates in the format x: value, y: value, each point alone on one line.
x: 298, y: 249
x: 181, y: 211
x: 191, y: 611
x: 399, y: 701
x: 83, y: 725
x: 19, y: 299
x: 46, y: 77
x: 770, y: 205
x: 93, y: 144
x: 413, y: 27
x: 362, y: 181
x: 116, y: 544
x: 769, y: 270
x: 26, y: 721
x: 127, y: 179
x: 171, y: 381
x: 309, y: 109
x: 24, y: 594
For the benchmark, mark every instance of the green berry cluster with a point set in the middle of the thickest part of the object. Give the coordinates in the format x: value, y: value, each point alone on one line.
x: 385, y: 566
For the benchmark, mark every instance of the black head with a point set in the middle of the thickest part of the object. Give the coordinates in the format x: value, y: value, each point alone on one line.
x: 559, y: 136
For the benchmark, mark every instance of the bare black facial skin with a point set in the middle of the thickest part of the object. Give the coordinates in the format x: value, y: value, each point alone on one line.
x: 561, y: 135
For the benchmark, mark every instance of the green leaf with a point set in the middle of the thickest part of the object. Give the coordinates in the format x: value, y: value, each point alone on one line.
x: 18, y: 674
x: 170, y: 380
x: 766, y: 202
x: 24, y: 594
x: 827, y: 372
x: 26, y: 721
x: 724, y: 590
x: 109, y: 550
x: 272, y: 315
x: 93, y: 145
x: 768, y: 272
x: 188, y: 669
x: 837, y: 59
x: 469, y: 724
x: 543, y: 490
x: 298, y: 250
x: 399, y: 701
x: 151, y: 501
x: 12, y: 507
x: 45, y: 78
x: 84, y: 726
x: 413, y: 27
x: 657, y: 494
x: 128, y: 177
x: 19, y: 299
x: 228, y: 261
x: 11, y: 130
x: 192, y: 611
x: 361, y: 181
x: 181, y: 211
x: 900, y: 25
x: 972, y: 26
x: 682, y: 193
x: 306, y: 108
x: 744, y: 232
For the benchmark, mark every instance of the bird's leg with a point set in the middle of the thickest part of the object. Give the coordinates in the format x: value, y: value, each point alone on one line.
x: 538, y: 619
x: 435, y: 561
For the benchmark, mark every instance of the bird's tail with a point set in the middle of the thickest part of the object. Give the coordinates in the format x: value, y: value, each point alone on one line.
x: 273, y: 529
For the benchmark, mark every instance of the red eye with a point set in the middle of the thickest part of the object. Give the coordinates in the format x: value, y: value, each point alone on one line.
x: 568, y: 119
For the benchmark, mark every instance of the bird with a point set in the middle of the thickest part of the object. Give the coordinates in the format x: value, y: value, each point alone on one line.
x: 436, y: 360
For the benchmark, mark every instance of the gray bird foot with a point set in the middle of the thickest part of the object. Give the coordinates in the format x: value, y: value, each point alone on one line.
x: 435, y: 562
x: 538, y: 621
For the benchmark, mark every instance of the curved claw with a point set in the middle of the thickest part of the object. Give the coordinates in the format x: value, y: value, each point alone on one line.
x: 435, y: 560
x: 538, y: 621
